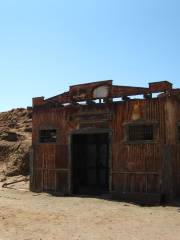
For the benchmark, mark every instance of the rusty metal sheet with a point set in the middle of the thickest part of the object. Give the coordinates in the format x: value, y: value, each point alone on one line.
x: 134, y: 168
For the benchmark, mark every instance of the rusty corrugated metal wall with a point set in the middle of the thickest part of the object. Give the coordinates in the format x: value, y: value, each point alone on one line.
x: 51, y: 163
x: 135, y: 168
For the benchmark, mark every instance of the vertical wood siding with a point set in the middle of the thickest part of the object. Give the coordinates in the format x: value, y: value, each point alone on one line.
x: 135, y: 168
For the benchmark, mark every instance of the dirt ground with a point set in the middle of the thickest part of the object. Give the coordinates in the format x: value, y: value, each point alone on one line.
x: 29, y: 216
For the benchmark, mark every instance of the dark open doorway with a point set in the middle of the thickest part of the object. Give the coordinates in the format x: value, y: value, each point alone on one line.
x: 90, y: 163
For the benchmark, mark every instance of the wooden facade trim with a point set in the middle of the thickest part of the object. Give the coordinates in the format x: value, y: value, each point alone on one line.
x: 84, y: 92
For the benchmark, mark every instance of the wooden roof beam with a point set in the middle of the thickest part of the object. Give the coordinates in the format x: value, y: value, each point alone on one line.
x: 120, y: 91
x: 163, y: 86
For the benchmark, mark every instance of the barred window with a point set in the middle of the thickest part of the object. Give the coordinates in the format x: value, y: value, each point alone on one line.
x: 48, y: 136
x: 142, y: 132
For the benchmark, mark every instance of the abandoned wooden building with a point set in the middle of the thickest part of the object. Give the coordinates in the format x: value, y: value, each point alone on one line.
x: 99, y: 138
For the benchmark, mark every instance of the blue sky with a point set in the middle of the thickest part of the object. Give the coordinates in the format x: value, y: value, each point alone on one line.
x: 47, y: 45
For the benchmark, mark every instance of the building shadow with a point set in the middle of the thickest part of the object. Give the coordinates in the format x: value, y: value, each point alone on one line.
x: 127, y: 202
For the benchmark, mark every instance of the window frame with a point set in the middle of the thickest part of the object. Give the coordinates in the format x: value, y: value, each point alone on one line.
x: 154, y: 125
x: 47, y: 129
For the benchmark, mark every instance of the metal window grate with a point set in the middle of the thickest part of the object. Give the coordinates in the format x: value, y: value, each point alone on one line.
x: 141, y: 132
x: 48, y: 136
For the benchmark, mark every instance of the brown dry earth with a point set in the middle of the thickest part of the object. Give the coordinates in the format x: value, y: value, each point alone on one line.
x: 15, y: 142
x: 30, y: 216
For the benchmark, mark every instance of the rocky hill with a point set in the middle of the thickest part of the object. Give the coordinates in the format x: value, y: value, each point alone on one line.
x: 15, y: 142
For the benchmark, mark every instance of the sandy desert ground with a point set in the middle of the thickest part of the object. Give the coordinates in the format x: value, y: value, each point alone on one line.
x: 29, y: 216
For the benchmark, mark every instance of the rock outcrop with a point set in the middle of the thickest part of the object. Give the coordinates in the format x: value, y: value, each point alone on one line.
x: 15, y: 142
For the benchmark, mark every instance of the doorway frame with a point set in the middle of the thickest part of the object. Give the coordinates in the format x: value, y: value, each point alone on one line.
x: 86, y: 132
